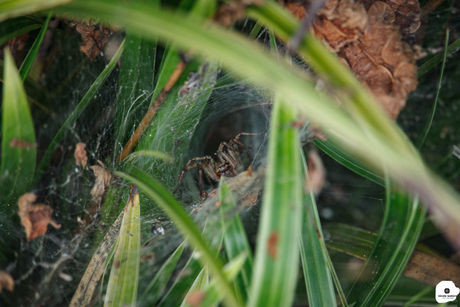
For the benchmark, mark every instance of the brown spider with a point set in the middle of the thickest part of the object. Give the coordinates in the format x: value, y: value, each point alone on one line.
x: 225, y: 162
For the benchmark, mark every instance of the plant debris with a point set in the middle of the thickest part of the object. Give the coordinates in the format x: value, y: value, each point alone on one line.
x: 34, y: 218
x: 195, y: 298
x: 94, y: 38
x: 370, y: 43
x: 80, y: 155
x: 103, y: 178
x: 6, y: 281
x: 316, y: 173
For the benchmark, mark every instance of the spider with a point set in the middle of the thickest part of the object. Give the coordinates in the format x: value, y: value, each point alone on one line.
x: 225, y: 162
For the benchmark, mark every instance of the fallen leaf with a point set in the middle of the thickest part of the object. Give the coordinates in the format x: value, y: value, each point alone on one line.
x: 272, y: 247
x: 94, y: 38
x: 102, y: 180
x: 34, y: 217
x: 6, y: 281
x: 80, y: 155
x: 195, y: 298
x: 18, y: 143
x: 316, y: 173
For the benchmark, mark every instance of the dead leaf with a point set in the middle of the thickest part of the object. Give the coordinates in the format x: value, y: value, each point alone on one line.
x: 34, y: 218
x: 80, y: 155
x: 195, y: 298
x: 18, y: 143
x: 272, y: 247
x: 94, y: 38
x: 316, y: 173
x: 6, y: 281
x: 103, y: 178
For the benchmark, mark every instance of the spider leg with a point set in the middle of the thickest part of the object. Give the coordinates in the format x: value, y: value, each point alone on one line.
x: 189, y: 166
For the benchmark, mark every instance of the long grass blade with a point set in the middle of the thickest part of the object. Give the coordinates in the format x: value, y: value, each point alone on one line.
x: 13, y: 8
x: 158, y: 284
x: 124, y: 276
x: 401, y: 226
x: 427, y: 127
x: 157, y: 192
x: 76, y: 113
x: 18, y: 140
x: 316, y: 264
x: 435, y: 60
x: 15, y: 27
x: 29, y: 60
x: 235, y: 239
x: 277, y: 252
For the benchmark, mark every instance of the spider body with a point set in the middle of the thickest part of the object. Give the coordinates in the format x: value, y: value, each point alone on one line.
x: 225, y: 162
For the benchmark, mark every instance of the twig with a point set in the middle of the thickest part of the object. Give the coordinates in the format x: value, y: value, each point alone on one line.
x: 152, y: 110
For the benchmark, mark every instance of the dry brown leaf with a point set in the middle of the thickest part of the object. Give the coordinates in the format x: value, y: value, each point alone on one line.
x: 103, y: 178
x: 316, y: 173
x: 6, y: 281
x: 80, y: 155
x: 34, y: 217
x: 94, y: 38
x: 370, y: 43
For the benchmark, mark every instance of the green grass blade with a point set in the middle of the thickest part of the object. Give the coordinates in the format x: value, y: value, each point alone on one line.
x: 124, y: 276
x: 235, y: 239
x: 19, y: 151
x: 277, y: 252
x: 315, y: 258
x: 12, y: 28
x: 427, y: 127
x: 135, y: 85
x: 76, y: 113
x: 158, y: 284
x: 157, y: 192
x: 418, y: 296
x: 401, y: 226
x: 199, y: 284
x: 14, y: 8
x: 435, y: 60
x: 175, y: 122
x: 212, y: 294
x: 342, y: 157
x: 29, y: 60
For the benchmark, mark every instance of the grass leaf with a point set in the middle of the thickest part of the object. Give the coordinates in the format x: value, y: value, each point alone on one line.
x: 157, y: 192
x: 124, y: 276
x: 29, y: 60
x: 76, y: 113
x: 18, y: 139
x: 401, y: 226
x: 277, y: 252
x: 235, y: 239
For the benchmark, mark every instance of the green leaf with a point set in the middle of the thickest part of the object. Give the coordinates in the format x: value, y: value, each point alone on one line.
x: 315, y: 257
x: 158, y: 284
x: 15, y: 27
x: 401, y: 226
x: 212, y: 294
x: 342, y: 157
x: 235, y: 239
x: 29, y: 60
x: 13, y: 8
x: 124, y: 276
x: 18, y: 140
x: 175, y: 123
x: 427, y: 127
x: 277, y: 252
x: 158, y: 193
x: 76, y: 113
x: 435, y: 60
x: 135, y: 85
